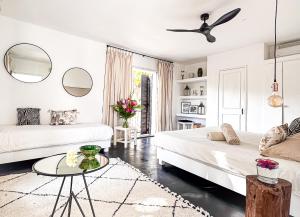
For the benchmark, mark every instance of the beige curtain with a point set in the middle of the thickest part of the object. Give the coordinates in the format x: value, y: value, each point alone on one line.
x: 117, y: 82
x: 164, y: 95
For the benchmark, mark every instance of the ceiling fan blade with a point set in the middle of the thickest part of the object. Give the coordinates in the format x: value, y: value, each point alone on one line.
x: 210, y: 38
x: 226, y: 17
x: 183, y: 30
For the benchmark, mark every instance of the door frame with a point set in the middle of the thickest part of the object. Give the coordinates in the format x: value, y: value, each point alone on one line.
x: 245, y: 109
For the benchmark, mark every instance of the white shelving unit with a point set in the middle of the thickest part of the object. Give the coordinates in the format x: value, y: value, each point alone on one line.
x: 191, y: 116
x: 195, y: 84
x: 192, y: 97
x: 192, y: 80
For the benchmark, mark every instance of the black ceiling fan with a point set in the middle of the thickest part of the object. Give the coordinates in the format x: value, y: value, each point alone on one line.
x: 205, y: 28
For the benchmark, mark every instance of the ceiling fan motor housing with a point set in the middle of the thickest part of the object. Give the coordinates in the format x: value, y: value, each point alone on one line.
x: 204, y: 17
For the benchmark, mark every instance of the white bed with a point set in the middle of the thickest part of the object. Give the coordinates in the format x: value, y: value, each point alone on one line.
x: 219, y: 162
x: 33, y: 141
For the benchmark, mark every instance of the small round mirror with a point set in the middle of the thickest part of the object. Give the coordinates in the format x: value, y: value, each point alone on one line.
x: 77, y: 82
x: 27, y: 63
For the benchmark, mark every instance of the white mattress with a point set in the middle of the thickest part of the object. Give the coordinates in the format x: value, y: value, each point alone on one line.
x: 15, y: 138
x: 239, y: 159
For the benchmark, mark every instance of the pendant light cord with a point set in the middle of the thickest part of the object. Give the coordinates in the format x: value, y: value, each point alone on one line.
x: 275, y: 40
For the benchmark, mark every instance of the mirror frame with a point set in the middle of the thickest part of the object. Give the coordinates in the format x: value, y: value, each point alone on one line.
x: 62, y: 80
x: 34, y: 46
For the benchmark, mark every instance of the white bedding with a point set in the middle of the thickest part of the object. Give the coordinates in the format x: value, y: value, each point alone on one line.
x: 239, y: 159
x: 15, y: 138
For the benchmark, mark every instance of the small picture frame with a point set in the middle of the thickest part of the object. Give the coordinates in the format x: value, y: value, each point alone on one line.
x: 185, y: 107
x: 193, y: 109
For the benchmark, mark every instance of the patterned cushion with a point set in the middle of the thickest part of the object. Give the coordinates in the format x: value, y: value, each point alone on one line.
x: 288, y: 149
x: 294, y: 127
x: 63, y: 117
x: 230, y: 135
x: 274, y: 136
x: 28, y: 116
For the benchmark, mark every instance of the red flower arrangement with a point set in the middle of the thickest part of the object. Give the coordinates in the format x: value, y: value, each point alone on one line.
x: 267, y: 163
x: 127, y: 108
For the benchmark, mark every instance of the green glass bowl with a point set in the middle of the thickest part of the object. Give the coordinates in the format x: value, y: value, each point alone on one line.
x: 89, y: 151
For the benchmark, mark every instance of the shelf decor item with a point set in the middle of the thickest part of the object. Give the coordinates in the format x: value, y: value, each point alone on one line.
x: 201, y: 110
x: 201, y: 90
x: 185, y: 107
x: 195, y: 92
x: 200, y: 72
x: 187, y: 91
x: 267, y: 171
x: 193, y: 109
x: 191, y: 75
x: 182, y: 74
x: 127, y: 108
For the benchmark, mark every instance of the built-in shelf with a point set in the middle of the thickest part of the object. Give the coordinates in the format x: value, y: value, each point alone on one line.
x: 192, y: 97
x: 191, y: 116
x: 192, y: 80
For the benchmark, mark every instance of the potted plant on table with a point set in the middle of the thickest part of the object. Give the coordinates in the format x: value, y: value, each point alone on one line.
x: 127, y: 108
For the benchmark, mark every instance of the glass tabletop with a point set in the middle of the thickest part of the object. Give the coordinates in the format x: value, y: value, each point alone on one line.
x: 61, y: 165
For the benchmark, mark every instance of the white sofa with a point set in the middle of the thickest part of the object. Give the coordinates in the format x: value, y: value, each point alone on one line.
x: 221, y: 163
x: 19, y: 143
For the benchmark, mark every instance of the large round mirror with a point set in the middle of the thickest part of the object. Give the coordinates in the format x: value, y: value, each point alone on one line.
x: 77, y: 82
x: 27, y: 63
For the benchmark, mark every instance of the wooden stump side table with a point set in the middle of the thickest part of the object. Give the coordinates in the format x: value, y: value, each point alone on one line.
x: 264, y: 200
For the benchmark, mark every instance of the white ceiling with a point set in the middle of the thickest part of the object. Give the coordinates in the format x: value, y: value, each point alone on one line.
x: 139, y: 25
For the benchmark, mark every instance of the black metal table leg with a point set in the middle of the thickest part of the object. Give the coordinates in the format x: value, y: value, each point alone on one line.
x: 88, y: 194
x: 65, y: 207
x: 74, y: 196
x: 57, y: 198
x: 70, y: 202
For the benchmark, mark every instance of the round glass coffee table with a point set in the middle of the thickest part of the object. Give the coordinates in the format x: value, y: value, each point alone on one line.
x: 58, y: 166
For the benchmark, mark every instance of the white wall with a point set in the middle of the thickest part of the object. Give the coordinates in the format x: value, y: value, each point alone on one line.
x: 253, y: 58
x: 65, y: 51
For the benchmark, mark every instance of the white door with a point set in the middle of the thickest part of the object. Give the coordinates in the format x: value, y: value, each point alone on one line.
x: 271, y: 116
x: 291, y: 90
x: 232, y: 97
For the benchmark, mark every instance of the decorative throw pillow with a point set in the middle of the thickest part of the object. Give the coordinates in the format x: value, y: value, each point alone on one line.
x: 216, y: 136
x: 294, y: 127
x: 274, y: 136
x: 288, y: 149
x: 28, y: 116
x: 230, y: 135
x: 63, y: 117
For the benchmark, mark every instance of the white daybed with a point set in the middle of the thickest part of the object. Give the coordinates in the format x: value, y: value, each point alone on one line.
x: 19, y: 143
x: 219, y: 162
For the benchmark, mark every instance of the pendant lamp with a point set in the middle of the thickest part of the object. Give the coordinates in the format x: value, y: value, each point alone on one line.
x: 275, y: 100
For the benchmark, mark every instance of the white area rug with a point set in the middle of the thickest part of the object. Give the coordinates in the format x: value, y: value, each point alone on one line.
x: 117, y: 190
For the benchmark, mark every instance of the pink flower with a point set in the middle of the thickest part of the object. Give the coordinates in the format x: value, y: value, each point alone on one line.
x: 267, y: 163
x: 133, y: 103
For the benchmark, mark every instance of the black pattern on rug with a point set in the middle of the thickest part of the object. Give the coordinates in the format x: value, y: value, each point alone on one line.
x: 118, y: 190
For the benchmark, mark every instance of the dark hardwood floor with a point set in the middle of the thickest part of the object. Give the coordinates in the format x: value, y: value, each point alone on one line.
x: 218, y: 201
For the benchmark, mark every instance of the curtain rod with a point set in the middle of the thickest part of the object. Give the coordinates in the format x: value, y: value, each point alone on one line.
x: 144, y: 55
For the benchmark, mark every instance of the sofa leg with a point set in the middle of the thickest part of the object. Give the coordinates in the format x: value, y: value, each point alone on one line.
x: 106, y: 149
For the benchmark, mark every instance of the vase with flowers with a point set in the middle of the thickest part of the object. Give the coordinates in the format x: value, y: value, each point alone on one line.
x: 127, y: 108
x: 267, y: 170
